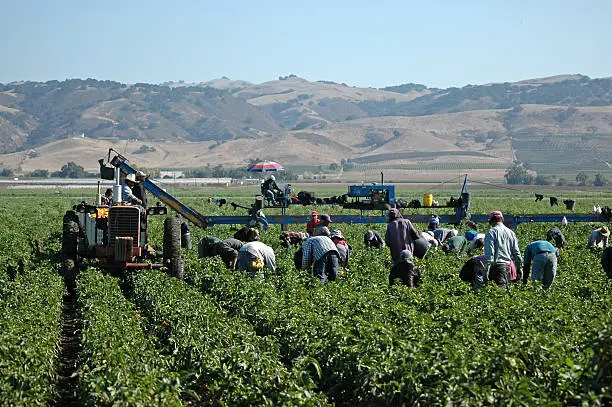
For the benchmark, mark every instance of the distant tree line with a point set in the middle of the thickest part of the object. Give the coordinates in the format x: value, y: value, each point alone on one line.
x: 517, y: 174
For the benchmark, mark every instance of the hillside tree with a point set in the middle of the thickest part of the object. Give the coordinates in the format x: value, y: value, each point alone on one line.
x: 582, y: 178
x: 517, y: 174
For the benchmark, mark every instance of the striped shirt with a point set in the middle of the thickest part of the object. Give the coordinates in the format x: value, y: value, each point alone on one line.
x: 314, y: 248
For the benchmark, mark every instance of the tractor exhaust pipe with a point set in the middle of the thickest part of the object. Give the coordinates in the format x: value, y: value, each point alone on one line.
x: 117, y: 186
x: 98, y: 196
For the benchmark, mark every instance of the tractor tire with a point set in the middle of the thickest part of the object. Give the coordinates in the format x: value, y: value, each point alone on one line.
x: 172, y: 246
x: 70, y: 235
x: 177, y: 268
x: 70, y: 238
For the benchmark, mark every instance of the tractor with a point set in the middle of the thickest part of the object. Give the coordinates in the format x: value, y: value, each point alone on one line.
x: 116, y: 237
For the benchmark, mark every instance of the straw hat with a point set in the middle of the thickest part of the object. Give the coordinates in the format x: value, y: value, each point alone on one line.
x: 131, y: 177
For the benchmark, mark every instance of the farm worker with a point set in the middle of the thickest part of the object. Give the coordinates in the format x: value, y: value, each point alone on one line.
x: 373, y: 238
x: 405, y: 271
x: 292, y: 238
x: 458, y: 244
x: 254, y: 256
x: 441, y: 234
x: 139, y: 189
x: 555, y: 236
x: 476, y: 239
x: 228, y: 251
x: 473, y: 271
x: 107, y: 198
x: 126, y: 190
x: 310, y: 225
x: 599, y: 237
x: 544, y: 257
x: 434, y: 223
x: 501, y: 249
x: 606, y: 261
x: 321, y: 251
x: 210, y: 246
x: 185, y: 233
x: 421, y: 246
x: 429, y: 236
x: 400, y: 234
x: 321, y: 229
x: 344, y: 250
x: 247, y: 234
x: 270, y: 190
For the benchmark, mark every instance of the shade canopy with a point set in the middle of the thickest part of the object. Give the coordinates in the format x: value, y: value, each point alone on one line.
x: 265, y: 166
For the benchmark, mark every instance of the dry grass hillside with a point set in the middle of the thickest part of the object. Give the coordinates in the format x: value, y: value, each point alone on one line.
x: 298, y: 122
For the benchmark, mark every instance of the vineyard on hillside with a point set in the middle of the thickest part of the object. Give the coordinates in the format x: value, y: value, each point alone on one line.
x: 221, y: 338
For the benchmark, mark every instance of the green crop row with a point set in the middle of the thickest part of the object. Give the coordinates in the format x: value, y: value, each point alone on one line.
x: 441, y: 343
x: 120, y: 365
x: 30, y: 324
x: 225, y: 362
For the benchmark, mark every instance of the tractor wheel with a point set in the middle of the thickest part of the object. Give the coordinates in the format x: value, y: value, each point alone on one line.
x: 70, y: 237
x: 177, y: 268
x: 172, y: 246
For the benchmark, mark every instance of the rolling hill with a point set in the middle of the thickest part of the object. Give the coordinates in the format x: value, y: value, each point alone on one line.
x: 293, y: 120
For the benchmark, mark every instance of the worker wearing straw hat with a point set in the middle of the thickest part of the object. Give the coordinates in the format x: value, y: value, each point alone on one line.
x: 599, y: 237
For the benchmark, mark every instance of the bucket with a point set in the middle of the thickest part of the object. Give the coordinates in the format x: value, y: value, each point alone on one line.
x: 427, y: 199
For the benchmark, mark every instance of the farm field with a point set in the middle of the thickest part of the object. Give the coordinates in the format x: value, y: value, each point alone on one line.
x: 221, y: 338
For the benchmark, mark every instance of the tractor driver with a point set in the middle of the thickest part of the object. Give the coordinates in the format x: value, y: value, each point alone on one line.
x: 126, y: 190
x: 270, y: 190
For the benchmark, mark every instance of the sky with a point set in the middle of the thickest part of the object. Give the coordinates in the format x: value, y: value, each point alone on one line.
x: 373, y: 43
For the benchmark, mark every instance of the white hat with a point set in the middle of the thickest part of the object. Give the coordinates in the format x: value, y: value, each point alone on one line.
x: 140, y: 174
x: 131, y: 177
x: 454, y: 232
x: 336, y: 233
x: 272, y: 177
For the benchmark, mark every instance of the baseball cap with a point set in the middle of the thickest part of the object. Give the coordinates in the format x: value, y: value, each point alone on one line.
x: 496, y: 216
x: 604, y: 231
x: 314, y: 213
x: 325, y: 217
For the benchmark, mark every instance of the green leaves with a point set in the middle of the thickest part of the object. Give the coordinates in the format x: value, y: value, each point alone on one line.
x: 121, y: 366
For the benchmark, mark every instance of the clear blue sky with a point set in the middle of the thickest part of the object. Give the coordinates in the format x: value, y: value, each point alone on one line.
x: 362, y: 43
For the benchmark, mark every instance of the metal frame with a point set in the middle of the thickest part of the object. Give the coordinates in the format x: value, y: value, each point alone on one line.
x: 461, y: 213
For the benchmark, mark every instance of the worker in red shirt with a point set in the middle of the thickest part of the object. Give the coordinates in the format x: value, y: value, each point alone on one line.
x: 312, y: 222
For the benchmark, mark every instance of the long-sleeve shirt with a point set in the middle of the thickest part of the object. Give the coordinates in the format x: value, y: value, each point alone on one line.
x: 140, y: 192
x: 457, y: 243
x: 473, y: 242
x: 441, y: 234
x: 400, y: 235
x: 344, y: 252
x: 539, y: 246
x: 314, y: 248
x: 501, y: 246
x: 262, y: 252
x: 372, y: 238
x: 127, y: 195
x: 311, y: 225
x: 596, y: 239
x: 320, y: 230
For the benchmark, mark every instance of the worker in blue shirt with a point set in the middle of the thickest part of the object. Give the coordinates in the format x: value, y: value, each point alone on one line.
x: 543, y: 255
